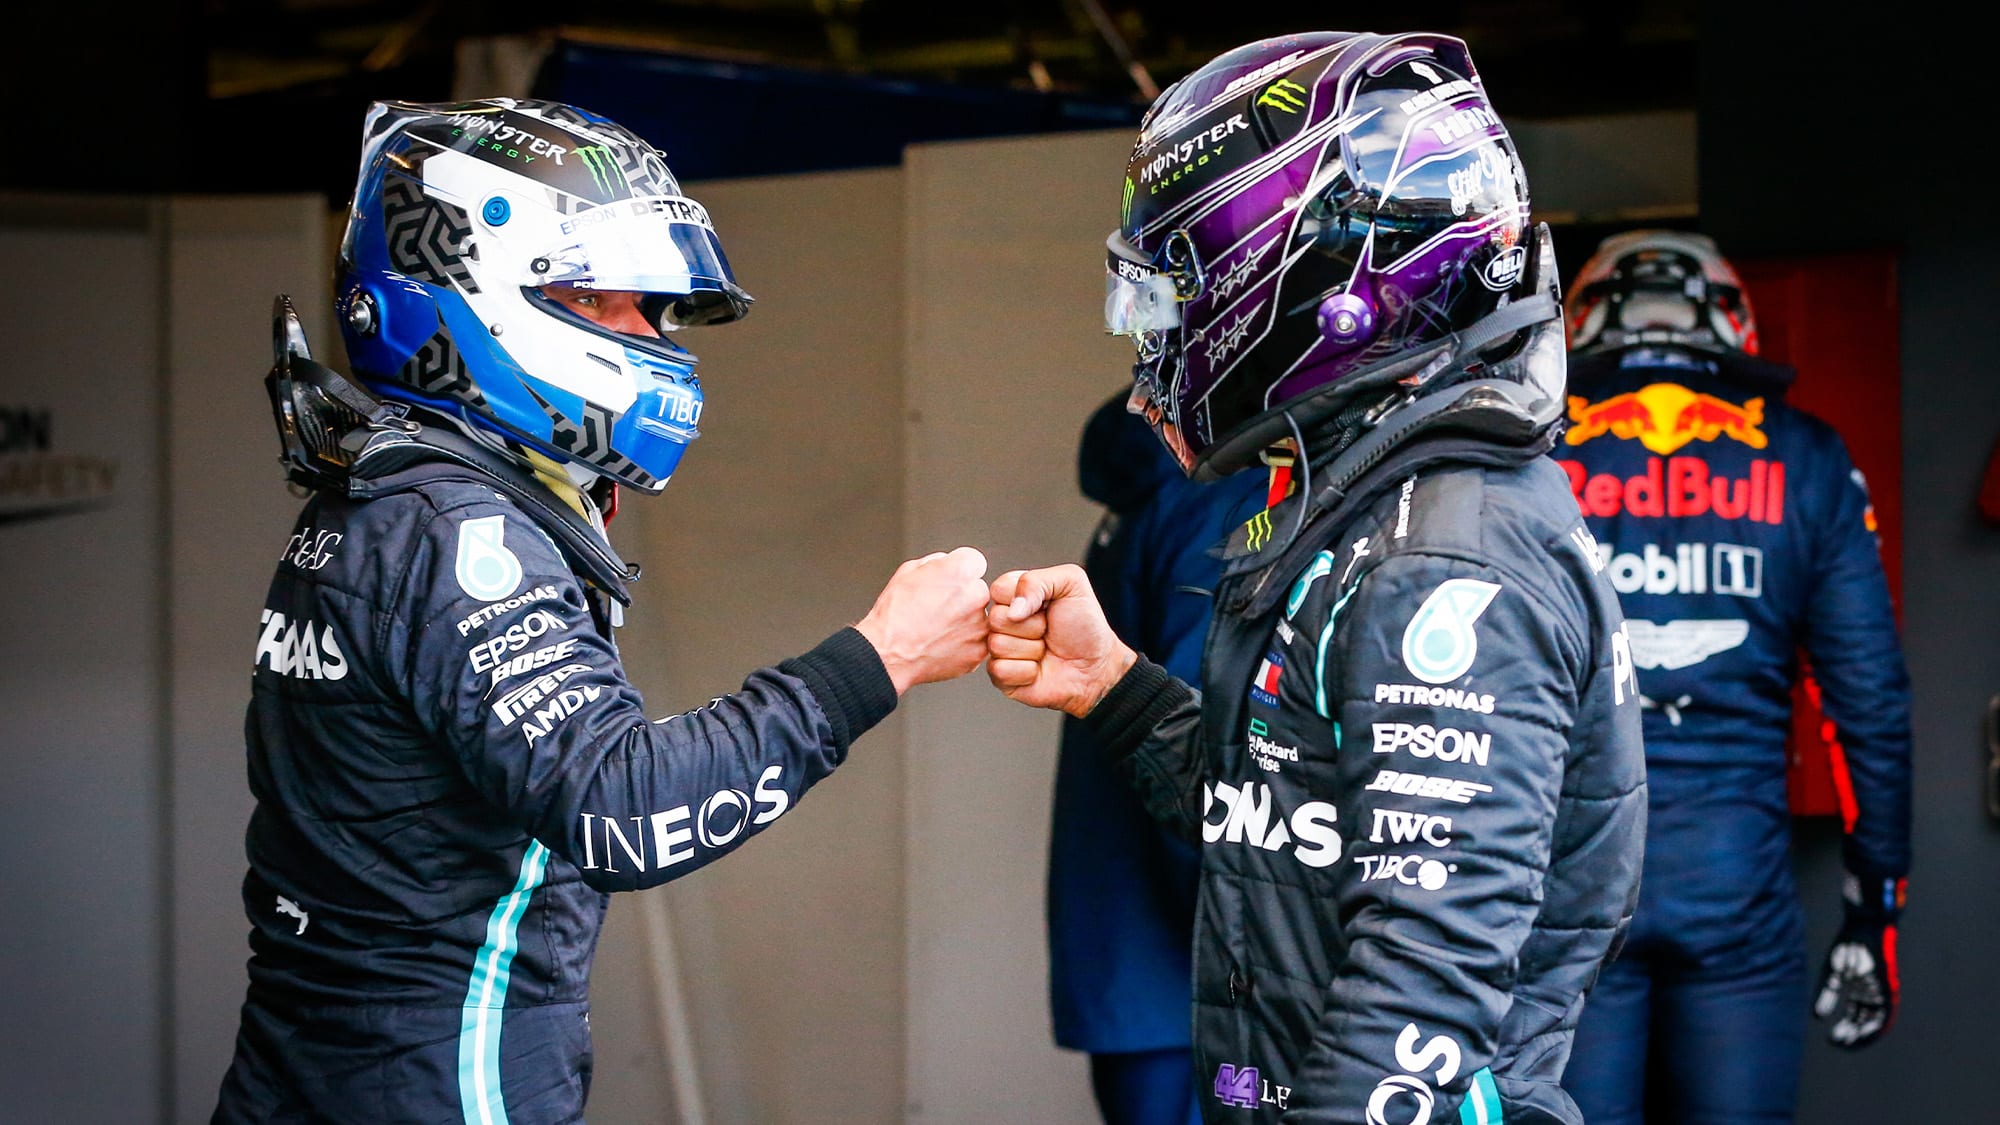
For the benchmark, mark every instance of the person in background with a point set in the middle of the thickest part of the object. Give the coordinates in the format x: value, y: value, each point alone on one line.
x: 1413, y: 766
x: 1738, y: 533
x: 1121, y: 888
x: 451, y: 768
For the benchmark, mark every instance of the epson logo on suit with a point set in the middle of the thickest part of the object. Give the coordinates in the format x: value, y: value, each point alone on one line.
x: 486, y: 655
x: 1446, y: 744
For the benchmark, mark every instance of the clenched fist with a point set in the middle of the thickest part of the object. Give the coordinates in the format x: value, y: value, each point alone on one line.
x: 1049, y: 643
x: 929, y: 622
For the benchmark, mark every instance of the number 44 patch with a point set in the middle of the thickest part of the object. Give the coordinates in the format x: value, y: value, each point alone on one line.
x: 1243, y: 1088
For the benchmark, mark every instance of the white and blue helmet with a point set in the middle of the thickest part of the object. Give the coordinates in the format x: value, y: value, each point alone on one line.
x: 462, y: 213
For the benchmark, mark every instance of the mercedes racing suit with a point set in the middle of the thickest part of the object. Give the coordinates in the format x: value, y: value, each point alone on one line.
x: 1737, y: 532
x: 451, y: 770
x: 1417, y: 776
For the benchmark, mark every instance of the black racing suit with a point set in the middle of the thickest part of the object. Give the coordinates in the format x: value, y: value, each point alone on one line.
x: 451, y: 770
x: 1416, y: 769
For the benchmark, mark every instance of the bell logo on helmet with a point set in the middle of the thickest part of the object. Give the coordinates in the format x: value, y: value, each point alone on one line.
x: 1505, y: 269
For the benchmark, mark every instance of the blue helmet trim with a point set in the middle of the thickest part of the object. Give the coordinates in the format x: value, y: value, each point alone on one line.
x: 499, y: 379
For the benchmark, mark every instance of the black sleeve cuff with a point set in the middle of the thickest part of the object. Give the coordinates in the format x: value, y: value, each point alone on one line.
x: 846, y: 674
x: 1134, y: 706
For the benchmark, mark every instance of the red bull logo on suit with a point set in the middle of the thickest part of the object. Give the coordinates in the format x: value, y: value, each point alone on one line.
x: 1664, y: 417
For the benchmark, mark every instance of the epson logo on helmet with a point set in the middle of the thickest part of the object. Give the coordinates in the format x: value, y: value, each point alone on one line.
x: 1131, y: 271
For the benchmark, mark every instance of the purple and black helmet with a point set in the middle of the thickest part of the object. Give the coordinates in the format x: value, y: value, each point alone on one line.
x: 1299, y: 214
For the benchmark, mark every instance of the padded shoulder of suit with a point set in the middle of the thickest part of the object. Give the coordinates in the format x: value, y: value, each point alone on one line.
x: 1453, y: 508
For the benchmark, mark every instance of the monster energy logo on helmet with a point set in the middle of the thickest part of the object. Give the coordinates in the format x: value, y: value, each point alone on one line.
x: 1284, y: 95
x: 603, y: 168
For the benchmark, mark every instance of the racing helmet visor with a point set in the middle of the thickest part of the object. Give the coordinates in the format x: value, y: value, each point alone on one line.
x: 661, y: 245
x: 1143, y: 293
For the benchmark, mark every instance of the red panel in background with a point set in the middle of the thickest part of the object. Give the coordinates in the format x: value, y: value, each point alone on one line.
x: 1835, y: 319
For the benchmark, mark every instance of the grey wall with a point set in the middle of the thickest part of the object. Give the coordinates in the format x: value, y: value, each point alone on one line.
x: 1007, y: 356
x: 82, y: 592
x: 1821, y: 135
x: 145, y: 325
x: 781, y: 526
x: 228, y: 515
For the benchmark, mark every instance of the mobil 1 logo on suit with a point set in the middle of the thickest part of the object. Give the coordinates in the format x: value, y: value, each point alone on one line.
x: 1685, y: 568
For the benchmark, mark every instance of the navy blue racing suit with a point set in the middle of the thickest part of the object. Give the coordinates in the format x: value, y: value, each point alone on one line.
x: 1737, y: 532
x: 1121, y: 888
x: 451, y: 770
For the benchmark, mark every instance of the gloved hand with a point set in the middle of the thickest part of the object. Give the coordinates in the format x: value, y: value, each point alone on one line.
x: 1859, y: 985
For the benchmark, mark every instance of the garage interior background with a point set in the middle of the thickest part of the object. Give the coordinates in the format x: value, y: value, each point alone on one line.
x: 918, y: 196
